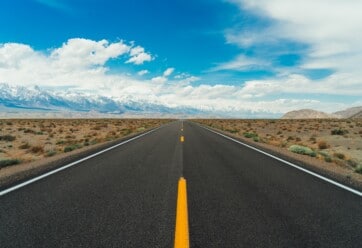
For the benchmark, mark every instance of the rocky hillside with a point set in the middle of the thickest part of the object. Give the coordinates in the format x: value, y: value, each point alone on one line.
x: 357, y: 116
x: 349, y: 113
x: 307, y: 114
x: 354, y: 112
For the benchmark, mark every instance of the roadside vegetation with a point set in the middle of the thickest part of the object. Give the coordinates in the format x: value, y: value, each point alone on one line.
x: 24, y: 141
x: 8, y: 162
x: 337, y: 141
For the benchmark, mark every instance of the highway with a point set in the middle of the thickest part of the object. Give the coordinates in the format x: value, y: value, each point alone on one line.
x: 126, y: 197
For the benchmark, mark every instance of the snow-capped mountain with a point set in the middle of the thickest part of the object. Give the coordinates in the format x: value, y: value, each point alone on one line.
x: 35, y: 98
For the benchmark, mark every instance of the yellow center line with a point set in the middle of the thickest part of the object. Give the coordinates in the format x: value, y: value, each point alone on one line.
x: 182, y: 138
x: 182, y: 219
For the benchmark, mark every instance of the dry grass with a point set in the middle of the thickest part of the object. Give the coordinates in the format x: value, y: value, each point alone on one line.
x: 337, y: 141
x: 28, y: 140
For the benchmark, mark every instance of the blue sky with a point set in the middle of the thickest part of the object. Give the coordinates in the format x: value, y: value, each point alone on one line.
x: 231, y: 56
x: 185, y: 34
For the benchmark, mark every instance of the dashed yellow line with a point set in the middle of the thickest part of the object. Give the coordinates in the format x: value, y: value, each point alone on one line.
x: 182, y: 219
x: 182, y: 138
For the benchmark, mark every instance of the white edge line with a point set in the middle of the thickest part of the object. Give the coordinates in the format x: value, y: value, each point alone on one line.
x: 18, y: 186
x: 289, y: 163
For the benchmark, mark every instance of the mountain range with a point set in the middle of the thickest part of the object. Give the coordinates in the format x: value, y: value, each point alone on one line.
x: 34, y: 102
x: 37, y: 100
x: 354, y: 113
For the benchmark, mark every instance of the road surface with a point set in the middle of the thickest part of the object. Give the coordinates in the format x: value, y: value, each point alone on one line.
x: 126, y: 197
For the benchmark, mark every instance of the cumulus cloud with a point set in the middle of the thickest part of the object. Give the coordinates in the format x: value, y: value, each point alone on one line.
x: 139, y: 56
x: 81, y: 53
x: 78, y: 61
x: 143, y: 72
x: 187, y: 80
x: 14, y: 54
x: 159, y: 79
x: 168, y: 72
x: 162, y: 79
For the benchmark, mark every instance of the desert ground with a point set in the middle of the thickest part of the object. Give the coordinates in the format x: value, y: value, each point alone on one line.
x: 27, y: 140
x: 335, y: 141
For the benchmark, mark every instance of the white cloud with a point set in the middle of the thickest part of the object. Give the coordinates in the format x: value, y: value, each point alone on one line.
x: 186, y: 81
x: 143, y: 72
x: 81, y: 65
x: 162, y: 79
x: 251, y: 37
x: 85, y: 53
x: 14, y: 54
x: 139, y: 56
x: 241, y: 63
x: 79, y: 62
x: 137, y: 50
x: 168, y: 72
x: 159, y: 79
x: 331, y: 28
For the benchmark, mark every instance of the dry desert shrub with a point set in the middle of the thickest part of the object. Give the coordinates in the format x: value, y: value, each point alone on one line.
x: 8, y: 162
x: 7, y: 137
x: 322, y: 144
x: 24, y: 146
x: 36, y: 149
x: 339, y: 155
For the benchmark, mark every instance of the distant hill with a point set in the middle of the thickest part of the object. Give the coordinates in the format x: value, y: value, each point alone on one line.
x: 357, y: 116
x: 349, y: 113
x: 354, y: 112
x: 307, y: 114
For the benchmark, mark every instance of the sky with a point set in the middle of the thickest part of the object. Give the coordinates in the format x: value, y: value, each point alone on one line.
x: 238, y: 57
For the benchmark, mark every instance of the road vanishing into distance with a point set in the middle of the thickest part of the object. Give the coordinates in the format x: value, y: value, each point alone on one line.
x: 126, y: 197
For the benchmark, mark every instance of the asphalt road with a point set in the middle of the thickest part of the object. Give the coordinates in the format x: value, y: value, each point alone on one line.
x: 126, y: 197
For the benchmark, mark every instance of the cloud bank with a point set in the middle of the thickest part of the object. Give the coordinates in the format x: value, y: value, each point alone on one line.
x: 328, y: 31
x: 81, y: 65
